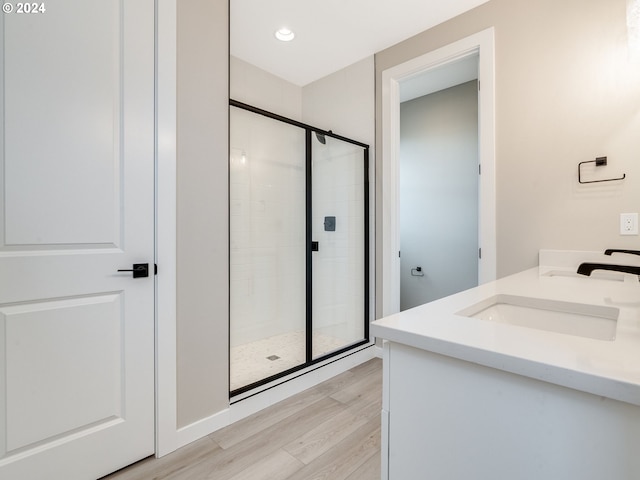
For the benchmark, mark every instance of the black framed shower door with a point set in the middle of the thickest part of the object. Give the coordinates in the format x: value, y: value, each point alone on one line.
x: 299, y: 246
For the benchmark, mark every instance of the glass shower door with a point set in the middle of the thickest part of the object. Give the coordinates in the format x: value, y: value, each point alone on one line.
x: 298, y: 246
x: 339, y: 226
x: 267, y: 247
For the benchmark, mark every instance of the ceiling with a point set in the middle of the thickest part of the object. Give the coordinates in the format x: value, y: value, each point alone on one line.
x: 330, y: 34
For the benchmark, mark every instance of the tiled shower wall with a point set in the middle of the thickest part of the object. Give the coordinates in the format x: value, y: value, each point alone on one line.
x: 338, y: 266
x: 267, y: 212
x: 267, y: 207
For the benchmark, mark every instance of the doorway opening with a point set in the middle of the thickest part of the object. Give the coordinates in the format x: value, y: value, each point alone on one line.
x: 439, y: 67
x: 439, y: 188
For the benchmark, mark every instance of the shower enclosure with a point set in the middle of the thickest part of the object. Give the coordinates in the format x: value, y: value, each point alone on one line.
x: 298, y: 246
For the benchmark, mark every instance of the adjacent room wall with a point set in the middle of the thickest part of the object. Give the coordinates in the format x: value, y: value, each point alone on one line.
x: 565, y: 93
x: 202, y: 210
x: 439, y: 194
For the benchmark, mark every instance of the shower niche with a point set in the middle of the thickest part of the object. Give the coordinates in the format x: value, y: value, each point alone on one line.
x: 298, y: 246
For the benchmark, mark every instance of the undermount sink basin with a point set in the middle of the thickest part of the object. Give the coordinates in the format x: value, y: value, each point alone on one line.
x: 591, y: 321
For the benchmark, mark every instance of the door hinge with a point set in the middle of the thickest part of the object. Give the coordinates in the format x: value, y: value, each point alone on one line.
x: 480, y: 253
x: 479, y: 169
x: 478, y: 84
x: 398, y: 253
x: 155, y: 268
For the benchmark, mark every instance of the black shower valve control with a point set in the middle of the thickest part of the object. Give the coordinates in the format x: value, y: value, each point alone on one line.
x: 329, y: 224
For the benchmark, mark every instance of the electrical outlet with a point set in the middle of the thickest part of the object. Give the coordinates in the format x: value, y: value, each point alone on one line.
x: 628, y: 224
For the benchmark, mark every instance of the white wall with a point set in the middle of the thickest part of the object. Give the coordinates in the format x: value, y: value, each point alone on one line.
x: 253, y: 86
x: 439, y: 194
x: 344, y: 102
x: 202, y: 238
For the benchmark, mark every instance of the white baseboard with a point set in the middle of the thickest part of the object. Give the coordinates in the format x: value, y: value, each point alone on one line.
x: 271, y: 394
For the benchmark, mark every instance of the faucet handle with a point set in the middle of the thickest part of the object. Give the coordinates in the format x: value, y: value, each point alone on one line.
x: 586, y: 268
x: 609, y: 251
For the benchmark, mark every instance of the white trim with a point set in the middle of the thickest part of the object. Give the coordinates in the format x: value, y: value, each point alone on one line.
x: 390, y: 192
x: 384, y: 418
x: 166, y: 387
x: 487, y: 153
x: 266, y: 398
x: 483, y: 44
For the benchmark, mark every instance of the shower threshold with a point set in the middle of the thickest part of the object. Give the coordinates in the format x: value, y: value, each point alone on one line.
x: 252, y: 362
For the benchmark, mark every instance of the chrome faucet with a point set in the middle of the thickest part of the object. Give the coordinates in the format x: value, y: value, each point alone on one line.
x: 586, y: 268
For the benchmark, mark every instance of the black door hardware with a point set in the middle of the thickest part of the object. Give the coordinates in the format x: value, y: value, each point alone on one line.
x: 314, y: 246
x: 139, y: 270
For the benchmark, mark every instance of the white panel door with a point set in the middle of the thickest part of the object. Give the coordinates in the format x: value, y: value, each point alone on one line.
x: 77, y: 204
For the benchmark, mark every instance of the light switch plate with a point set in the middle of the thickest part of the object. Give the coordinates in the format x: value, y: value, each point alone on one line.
x: 628, y: 224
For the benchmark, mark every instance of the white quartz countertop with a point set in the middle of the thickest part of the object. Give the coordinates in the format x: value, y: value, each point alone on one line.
x: 609, y: 368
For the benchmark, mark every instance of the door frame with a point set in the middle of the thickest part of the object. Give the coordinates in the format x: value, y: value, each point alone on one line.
x: 167, y: 439
x: 481, y: 43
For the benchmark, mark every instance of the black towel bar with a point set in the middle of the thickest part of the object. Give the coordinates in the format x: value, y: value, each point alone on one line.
x: 600, y: 161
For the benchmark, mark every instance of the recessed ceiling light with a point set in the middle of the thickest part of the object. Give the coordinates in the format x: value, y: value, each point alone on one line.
x: 285, y: 35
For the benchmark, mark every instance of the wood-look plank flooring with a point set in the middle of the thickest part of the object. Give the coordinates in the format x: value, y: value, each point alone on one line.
x: 330, y: 432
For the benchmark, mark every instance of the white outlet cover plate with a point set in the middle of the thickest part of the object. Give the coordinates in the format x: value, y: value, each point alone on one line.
x: 628, y: 224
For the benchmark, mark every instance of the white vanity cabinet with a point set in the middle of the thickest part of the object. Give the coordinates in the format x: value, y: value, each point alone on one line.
x: 475, y: 398
x: 449, y: 419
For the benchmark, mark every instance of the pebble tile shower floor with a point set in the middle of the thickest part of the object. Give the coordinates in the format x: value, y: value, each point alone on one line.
x: 254, y: 361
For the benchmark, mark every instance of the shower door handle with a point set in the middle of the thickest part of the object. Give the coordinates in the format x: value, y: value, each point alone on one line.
x: 314, y: 246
